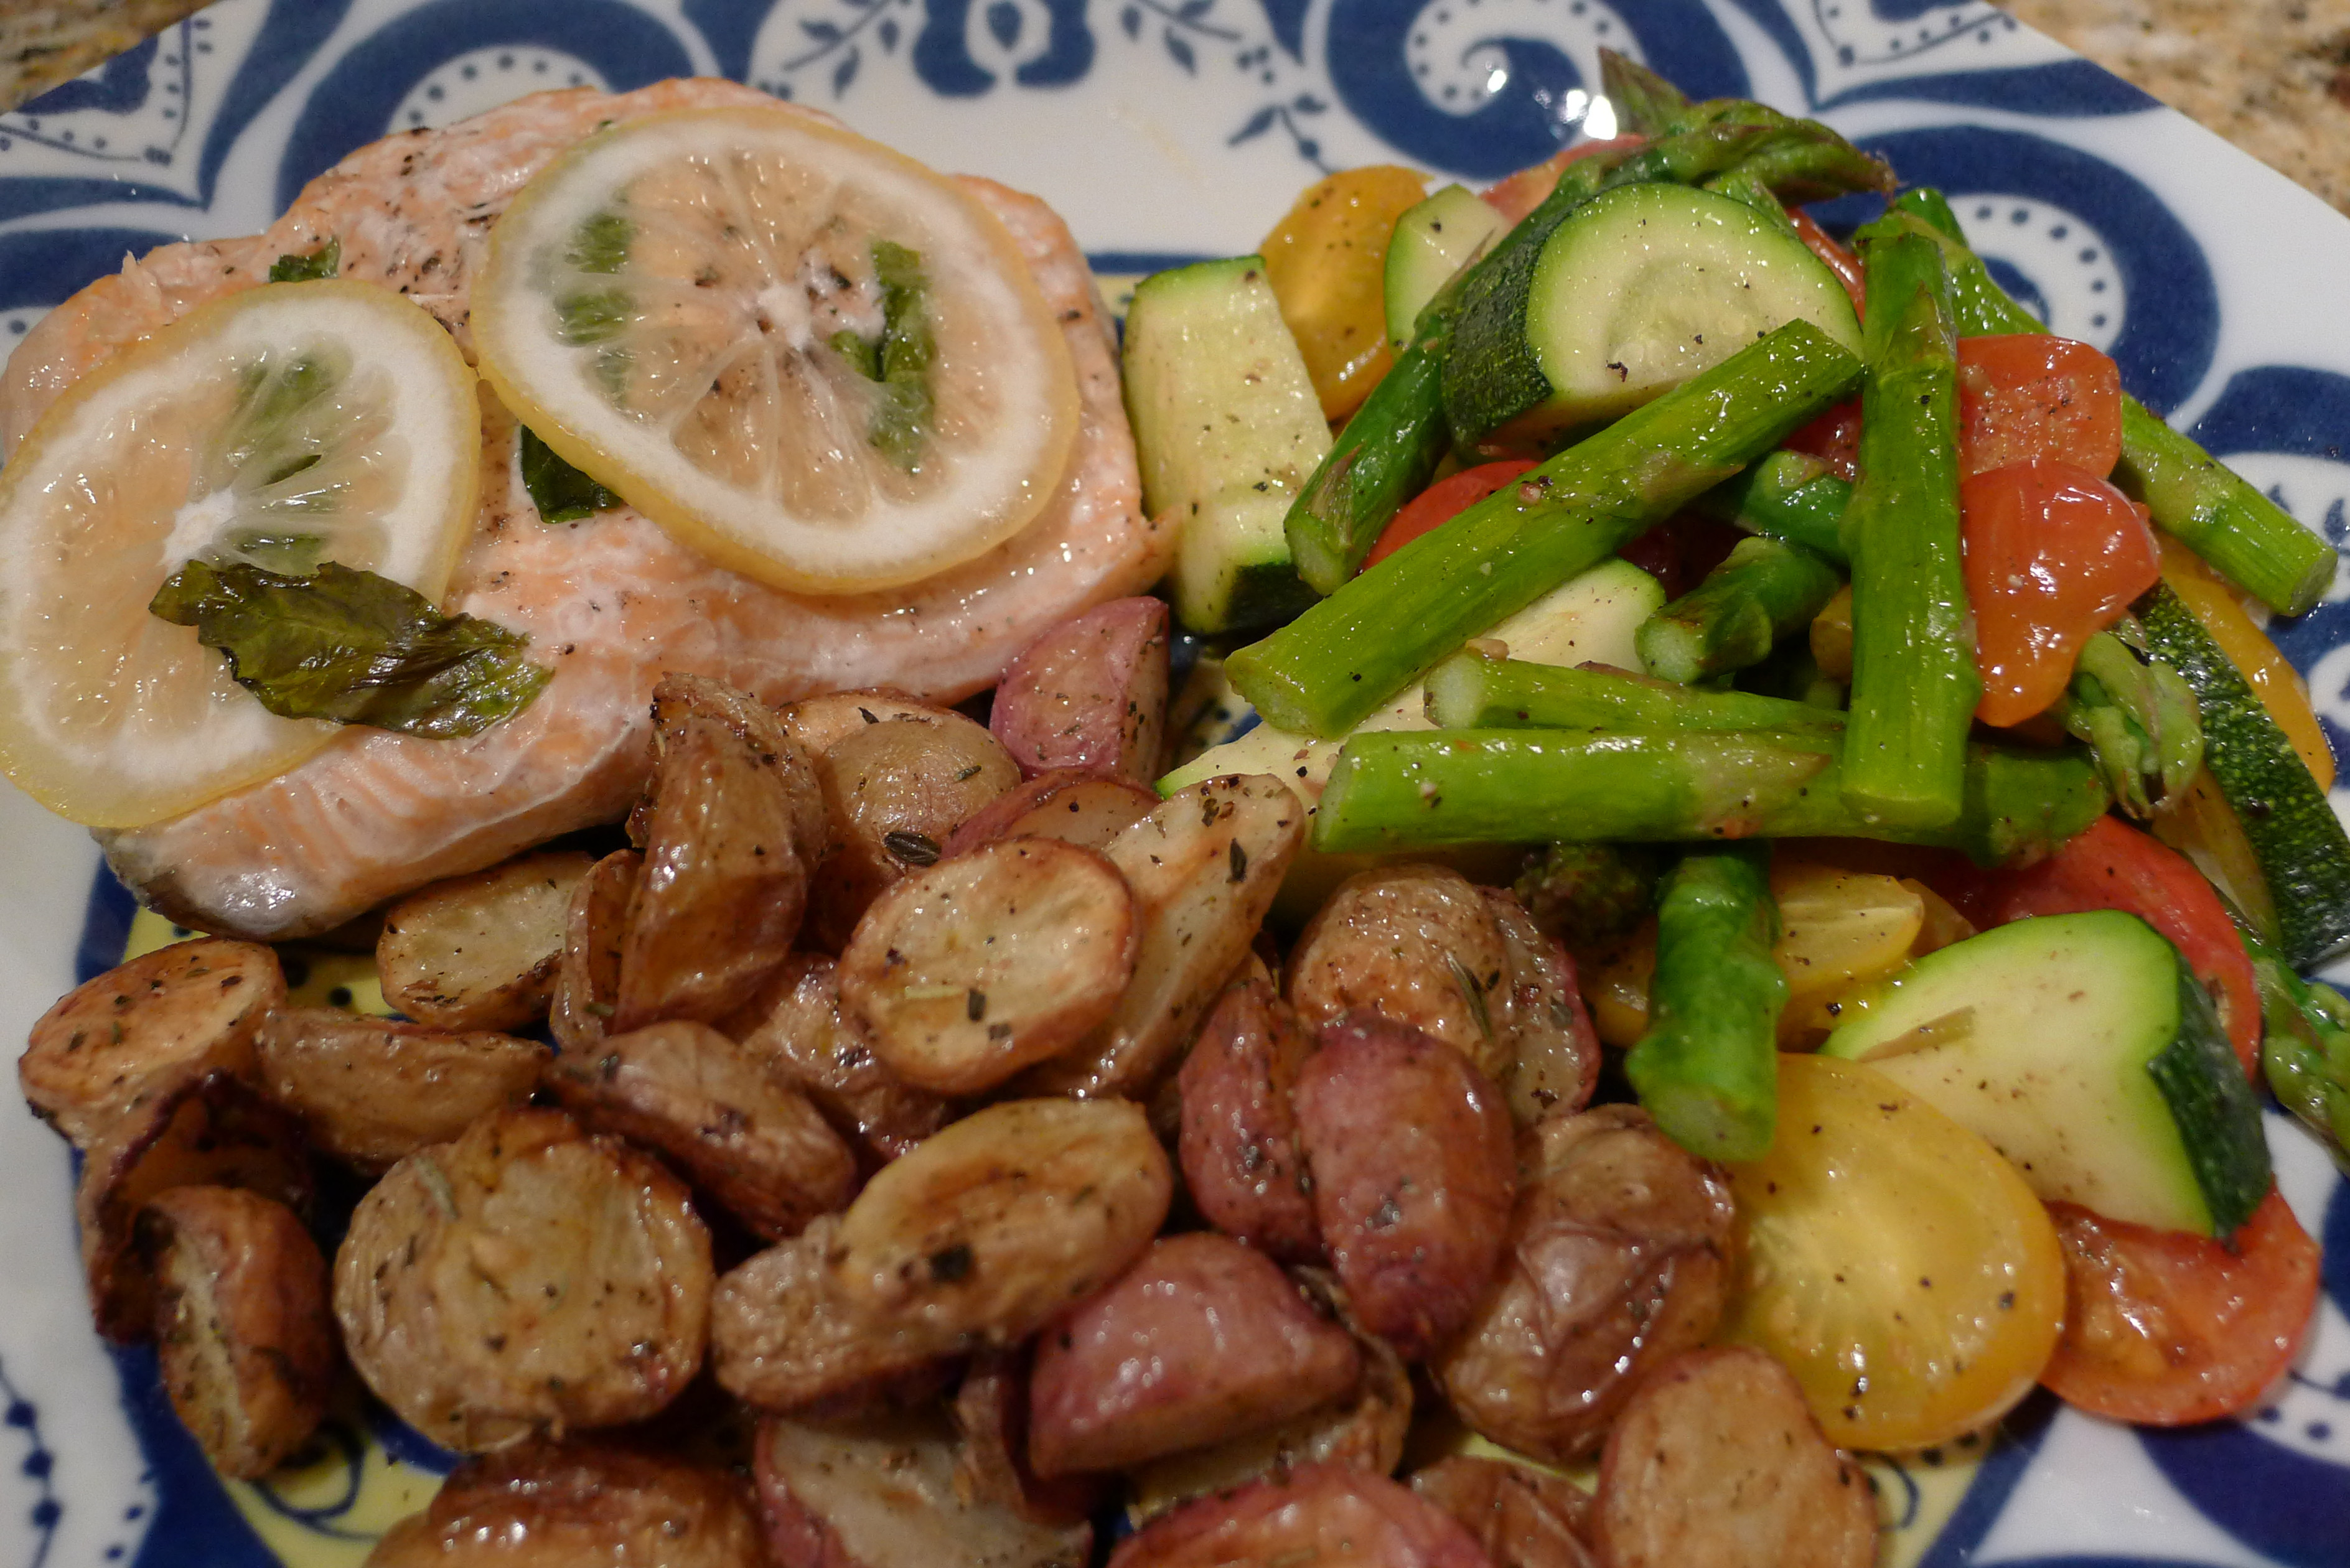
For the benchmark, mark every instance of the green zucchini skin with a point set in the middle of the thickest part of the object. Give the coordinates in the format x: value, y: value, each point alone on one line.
x: 2304, y: 854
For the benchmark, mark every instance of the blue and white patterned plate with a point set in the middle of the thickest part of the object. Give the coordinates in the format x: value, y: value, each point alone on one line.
x: 1167, y: 128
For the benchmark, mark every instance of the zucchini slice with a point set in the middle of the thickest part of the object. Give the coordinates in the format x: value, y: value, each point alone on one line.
x: 1431, y: 243
x: 2082, y: 1048
x: 2295, y: 839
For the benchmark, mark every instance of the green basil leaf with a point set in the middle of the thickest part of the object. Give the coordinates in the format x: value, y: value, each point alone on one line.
x: 353, y: 646
x: 560, y: 492
x: 902, y: 419
x: 325, y: 262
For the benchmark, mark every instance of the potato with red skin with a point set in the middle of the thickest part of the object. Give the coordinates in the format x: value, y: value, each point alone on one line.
x: 1238, y: 1142
x: 1618, y: 1260
x: 1080, y: 808
x: 785, y: 1336
x: 1201, y: 1340
x: 245, y: 1338
x: 1522, y: 1517
x: 794, y: 1029
x: 543, y: 1504
x: 1320, y: 1514
x: 1089, y: 694
x: 1716, y: 1462
x: 587, y: 975
x: 991, y: 1419
x: 370, y: 1091
x: 1554, y: 1049
x: 1416, y: 943
x: 815, y: 723
x: 1413, y: 1171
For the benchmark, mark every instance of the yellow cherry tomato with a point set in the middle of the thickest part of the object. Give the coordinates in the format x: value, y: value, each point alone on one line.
x: 1839, y: 931
x: 1893, y: 1261
x: 1327, y: 263
x: 2271, y: 678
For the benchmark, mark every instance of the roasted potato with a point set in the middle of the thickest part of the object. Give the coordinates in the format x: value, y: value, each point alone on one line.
x: 1238, y: 1142
x: 1522, y: 1517
x: 144, y: 1027
x: 1416, y: 943
x: 997, y: 1223
x: 880, y: 1493
x: 1201, y: 1340
x: 526, y: 1278
x: 373, y: 1090
x: 1204, y: 867
x: 588, y: 979
x: 1616, y: 1262
x: 1554, y: 1051
x: 1410, y: 1147
x: 894, y: 793
x: 735, y: 829
x: 216, y: 1130
x: 1317, y: 1514
x: 990, y: 1419
x: 244, y: 1334
x: 1717, y: 1463
x: 1085, y: 809
x: 561, y: 1505
x: 1089, y: 694
x: 815, y: 723
x: 793, y: 1027
x: 480, y: 952
x: 968, y: 971
x: 761, y: 1149
x: 783, y: 1335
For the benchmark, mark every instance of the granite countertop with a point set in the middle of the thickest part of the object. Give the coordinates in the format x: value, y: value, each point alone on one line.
x: 2270, y: 76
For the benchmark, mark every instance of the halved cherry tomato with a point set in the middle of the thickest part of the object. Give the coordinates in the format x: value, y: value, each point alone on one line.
x: 2163, y: 1328
x: 1442, y: 502
x: 2026, y: 394
x: 1833, y: 438
x: 2053, y: 555
x: 2114, y: 866
x: 2272, y: 679
x: 1327, y: 261
x: 1523, y: 191
x: 1841, y: 262
x: 1680, y: 551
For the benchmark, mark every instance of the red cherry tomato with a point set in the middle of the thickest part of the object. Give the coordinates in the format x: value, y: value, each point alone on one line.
x: 2053, y: 554
x: 2114, y: 866
x: 1833, y: 438
x: 2163, y: 1328
x: 1443, y: 500
x: 2026, y: 394
x: 1523, y: 191
x: 1680, y: 551
x: 1841, y: 262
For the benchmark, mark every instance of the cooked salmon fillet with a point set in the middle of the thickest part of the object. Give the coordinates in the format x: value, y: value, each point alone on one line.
x: 612, y: 603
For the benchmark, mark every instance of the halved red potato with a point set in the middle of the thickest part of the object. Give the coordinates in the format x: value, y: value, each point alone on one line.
x: 1089, y: 694
x: 1522, y: 1517
x: 588, y: 978
x: 1417, y: 943
x: 373, y: 1090
x: 1319, y: 1514
x: 783, y: 1335
x: 1554, y: 1050
x: 1238, y: 1142
x: 815, y: 723
x: 794, y: 1028
x: 480, y: 952
x: 1079, y: 808
x: 990, y: 1419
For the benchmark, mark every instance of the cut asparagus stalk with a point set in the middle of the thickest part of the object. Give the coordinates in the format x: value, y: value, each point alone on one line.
x: 1707, y: 1067
x: 1472, y: 692
x: 2137, y: 716
x: 1764, y: 590
x: 1788, y: 495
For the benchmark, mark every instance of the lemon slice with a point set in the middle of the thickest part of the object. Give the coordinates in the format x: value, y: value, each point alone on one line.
x: 693, y: 306
x: 284, y: 426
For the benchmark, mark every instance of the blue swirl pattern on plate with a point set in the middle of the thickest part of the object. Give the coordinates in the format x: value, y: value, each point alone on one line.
x: 2069, y: 179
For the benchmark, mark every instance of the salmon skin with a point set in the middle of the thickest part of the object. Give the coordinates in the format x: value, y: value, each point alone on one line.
x: 611, y: 603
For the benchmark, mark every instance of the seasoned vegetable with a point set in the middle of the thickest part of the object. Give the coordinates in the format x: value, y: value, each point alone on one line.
x: 588, y: 978
x: 1585, y: 894
x: 1556, y: 1053
x: 1238, y: 1145
x: 1432, y: 242
x: 1316, y: 1513
x: 1090, y: 694
x: 1790, y: 496
x: 543, y: 1504
x: 1522, y: 1517
x: 1327, y: 262
x: 1079, y: 808
x: 480, y: 952
x: 2306, y: 1048
x: 2138, y: 718
x: 370, y: 1091
x: 1764, y: 591
x: 1472, y: 691
x: 794, y: 1027
x: 785, y: 1335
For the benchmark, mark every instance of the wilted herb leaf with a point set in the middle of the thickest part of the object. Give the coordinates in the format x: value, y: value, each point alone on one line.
x: 560, y: 492
x: 902, y: 418
x: 353, y: 646
x: 327, y: 261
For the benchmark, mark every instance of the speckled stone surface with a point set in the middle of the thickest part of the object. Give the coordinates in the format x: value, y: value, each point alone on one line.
x: 43, y: 45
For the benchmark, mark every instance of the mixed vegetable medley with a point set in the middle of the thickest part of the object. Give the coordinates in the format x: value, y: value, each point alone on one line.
x: 1710, y: 883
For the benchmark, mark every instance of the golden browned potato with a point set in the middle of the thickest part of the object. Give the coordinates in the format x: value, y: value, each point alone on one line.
x: 1316, y: 1515
x: 480, y: 952
x: 794, y: 1026
x: 177, y: 1012
x: 526, y: 1278
x: 783, y: 1335
x: 968, y: 971
x: 1079, y: 808
x: 1238, y: 1137
x: 1554, y: 1051
x: 761, y: 1149
x: 243, y: 1331
x: 880, y: 1493
x: 372, y: 1090
x: 998, y: 1222
x: 588, y: 980
x: 1616, y: 1263
x: 1717, y: 1463
x: 1417, y: 943
x: 212, y: 1131
x: 542, y: 1504
x: 1204, y: 867
x: 734, y: 830
x: 990, y: 1419
x: 1522, y: 1517
x: 895, y: 791
x: 815, y: 723
x: 1089, y: 693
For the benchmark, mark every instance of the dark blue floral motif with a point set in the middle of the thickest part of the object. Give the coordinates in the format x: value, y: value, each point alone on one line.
x: 942, y: 52
x: 118, y: 86
x: 22, y: 1415
x: 2061, y: 88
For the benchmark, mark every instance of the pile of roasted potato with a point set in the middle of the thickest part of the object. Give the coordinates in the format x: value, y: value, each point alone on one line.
x: 935, y: 1090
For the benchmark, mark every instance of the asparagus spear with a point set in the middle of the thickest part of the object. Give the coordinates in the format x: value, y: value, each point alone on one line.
x: 1764, y: 590
x: 1585, y: 894
x: 2138, y: 717
x: 1707, y: 1067
x: 1788, y: 495
x: 1325, y: 672
x: 1397, y: 790
x: 2247, y: 538
x: 1914, y: 686
x: 1645, y: 103
x: 2306, y: 1046
x: 1473, y: 691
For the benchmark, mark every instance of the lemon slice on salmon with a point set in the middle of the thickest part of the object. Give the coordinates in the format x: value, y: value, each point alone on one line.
x: 806, y: 356
x: 283, y: 426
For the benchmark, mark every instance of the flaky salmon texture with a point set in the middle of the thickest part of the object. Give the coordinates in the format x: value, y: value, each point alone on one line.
x: 612, y: 603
